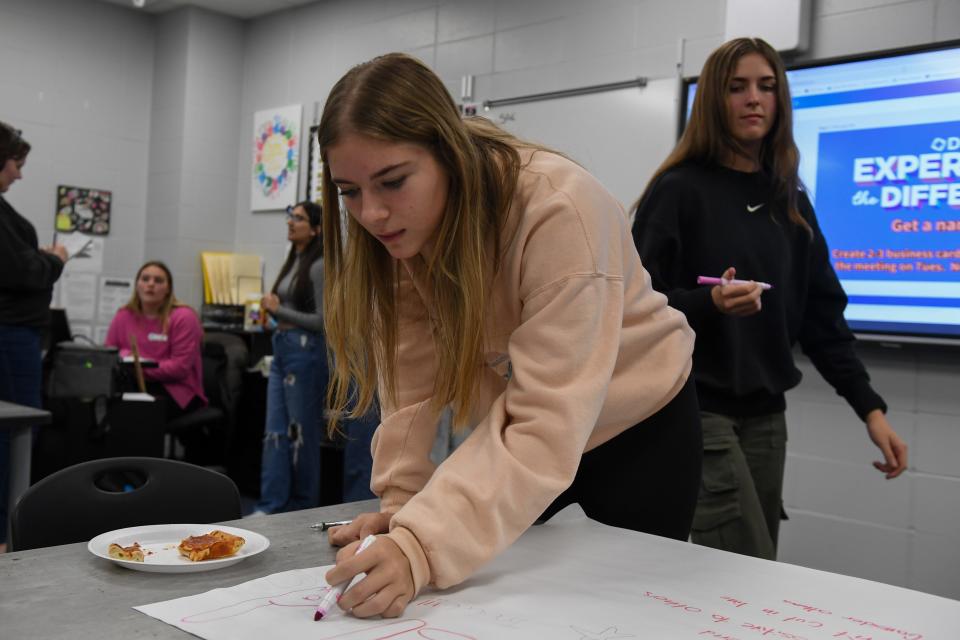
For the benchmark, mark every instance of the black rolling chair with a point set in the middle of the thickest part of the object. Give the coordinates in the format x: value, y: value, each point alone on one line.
x: 90, y: 498
x: 207, y: 427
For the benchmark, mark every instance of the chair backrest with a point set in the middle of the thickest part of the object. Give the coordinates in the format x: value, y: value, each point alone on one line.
x: 238, y: 356
x: 215, y: 375
x: 90, y: 498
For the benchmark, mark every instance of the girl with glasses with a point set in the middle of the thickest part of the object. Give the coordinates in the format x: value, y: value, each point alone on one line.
x: 297, y: 386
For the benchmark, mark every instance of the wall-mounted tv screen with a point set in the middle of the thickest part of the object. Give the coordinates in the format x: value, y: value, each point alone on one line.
x: 879, y: 139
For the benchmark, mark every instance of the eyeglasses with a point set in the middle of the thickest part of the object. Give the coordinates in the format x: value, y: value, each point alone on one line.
x: 296, y: 217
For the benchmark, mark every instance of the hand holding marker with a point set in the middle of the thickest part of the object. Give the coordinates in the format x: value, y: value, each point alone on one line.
x: 333, y: 594
x: 720, y: 281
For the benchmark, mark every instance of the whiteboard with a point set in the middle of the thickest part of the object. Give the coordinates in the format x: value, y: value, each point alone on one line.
x: 619, y: 136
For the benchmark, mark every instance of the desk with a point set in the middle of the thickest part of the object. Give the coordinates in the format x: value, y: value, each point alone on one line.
x: 67, y: 591
x: 19, y: 420
x: 571, y: 574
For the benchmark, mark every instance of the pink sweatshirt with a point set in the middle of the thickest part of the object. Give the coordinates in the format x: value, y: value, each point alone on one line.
x: 581, y: 348
x: 177, y: 353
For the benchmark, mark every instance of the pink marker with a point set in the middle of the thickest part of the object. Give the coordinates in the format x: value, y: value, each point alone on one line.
x: 720, y: 281
x: 332, y: 596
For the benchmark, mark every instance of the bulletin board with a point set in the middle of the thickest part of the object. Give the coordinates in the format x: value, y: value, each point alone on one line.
x: 620, y: 136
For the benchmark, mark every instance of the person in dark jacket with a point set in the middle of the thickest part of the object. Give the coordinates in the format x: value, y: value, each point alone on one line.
x: 27, y: 274
x: 728, y: 202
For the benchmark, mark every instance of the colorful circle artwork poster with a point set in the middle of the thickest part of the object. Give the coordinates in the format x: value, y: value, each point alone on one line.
x: 276, y: 158
x: 84, y: 210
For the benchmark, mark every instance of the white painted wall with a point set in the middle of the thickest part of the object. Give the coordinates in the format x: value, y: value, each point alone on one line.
x: 144, y: 106
x: 77, y: 79
x: 197, y: 84
x: 844, y: 516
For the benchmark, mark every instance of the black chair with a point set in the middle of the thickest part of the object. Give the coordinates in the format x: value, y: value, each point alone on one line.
x: 208, y: 427
x: 90, y: 498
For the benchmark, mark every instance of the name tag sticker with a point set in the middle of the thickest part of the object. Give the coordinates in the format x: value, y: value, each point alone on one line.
x: 156, y: 337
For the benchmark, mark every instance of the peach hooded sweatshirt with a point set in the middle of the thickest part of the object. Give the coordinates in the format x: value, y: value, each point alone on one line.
x: 580, y: 349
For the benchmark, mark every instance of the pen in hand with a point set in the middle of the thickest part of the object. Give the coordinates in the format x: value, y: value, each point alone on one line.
x: 333, y: 594
x: 721, y: 281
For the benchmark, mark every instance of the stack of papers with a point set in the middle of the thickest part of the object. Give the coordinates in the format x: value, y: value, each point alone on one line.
x: 76, y: 244
x: 133, y: 396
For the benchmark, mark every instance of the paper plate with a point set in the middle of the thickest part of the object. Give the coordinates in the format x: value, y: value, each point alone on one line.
x: 159, y: 543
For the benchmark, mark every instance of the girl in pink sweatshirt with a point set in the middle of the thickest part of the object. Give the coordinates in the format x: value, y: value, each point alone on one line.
x: 167, y: 332
x: 499, y: 278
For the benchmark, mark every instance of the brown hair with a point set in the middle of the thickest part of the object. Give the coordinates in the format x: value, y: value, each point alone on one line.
x: 12, y: 145
x: 301, y: 290
x: 707, y: 138
x: 397, y: 98
x: 168, y: 305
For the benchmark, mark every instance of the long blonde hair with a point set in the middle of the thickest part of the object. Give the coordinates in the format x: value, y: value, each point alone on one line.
x: 396, y: 98
x: 168, y: 305
x: 707, y: 138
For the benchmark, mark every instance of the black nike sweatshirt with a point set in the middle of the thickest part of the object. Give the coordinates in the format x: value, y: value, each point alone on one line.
x: 699, y: 220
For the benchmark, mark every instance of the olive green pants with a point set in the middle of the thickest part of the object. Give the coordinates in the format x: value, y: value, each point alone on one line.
x: 740, y: 500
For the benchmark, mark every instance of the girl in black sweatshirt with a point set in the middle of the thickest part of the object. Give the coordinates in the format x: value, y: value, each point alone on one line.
x: 729, y: 201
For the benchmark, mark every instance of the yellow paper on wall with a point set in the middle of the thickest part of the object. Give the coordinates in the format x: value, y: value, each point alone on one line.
x: 230, y: 278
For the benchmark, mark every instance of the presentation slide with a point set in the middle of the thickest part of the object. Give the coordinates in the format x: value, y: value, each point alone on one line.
x: 893, y: 201
x: 879, y: 142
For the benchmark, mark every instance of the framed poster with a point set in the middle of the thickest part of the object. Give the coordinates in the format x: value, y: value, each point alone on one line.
x: 83, y: 209
x: 276, y: 158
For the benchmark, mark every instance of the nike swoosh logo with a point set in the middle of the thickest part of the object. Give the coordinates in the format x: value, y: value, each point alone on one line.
x: 752, y: 208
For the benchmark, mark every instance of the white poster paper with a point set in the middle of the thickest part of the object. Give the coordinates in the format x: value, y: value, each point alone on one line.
x: 78, y: 295
x: 575, y: 579
x: 77, y: 244
x: 114, y: 293
x: 276, y: 158
x: 90, y: 260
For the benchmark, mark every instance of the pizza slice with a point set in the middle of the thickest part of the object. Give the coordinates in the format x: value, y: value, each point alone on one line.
x: 210, y: 546
x: 133, y: 553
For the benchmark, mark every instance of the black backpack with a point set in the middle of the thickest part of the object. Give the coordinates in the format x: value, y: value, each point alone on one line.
x: 83, y: 371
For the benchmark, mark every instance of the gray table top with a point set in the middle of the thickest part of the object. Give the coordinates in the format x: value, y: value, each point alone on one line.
x: 66, y: 591
x: 13, y: 416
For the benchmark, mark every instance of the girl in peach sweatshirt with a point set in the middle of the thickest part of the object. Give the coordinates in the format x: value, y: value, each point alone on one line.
x: 499, y: 278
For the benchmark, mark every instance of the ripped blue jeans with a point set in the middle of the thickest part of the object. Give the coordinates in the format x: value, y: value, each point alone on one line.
x: 290, y: 468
